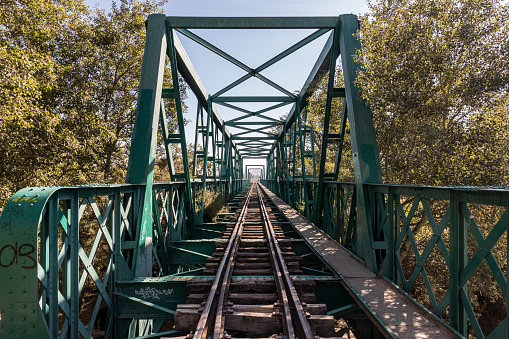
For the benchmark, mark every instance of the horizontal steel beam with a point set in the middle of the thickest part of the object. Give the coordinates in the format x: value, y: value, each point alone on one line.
x: 253, y: 22
x: 253, y: 138
x: 252, y: 142
x: 253, y: 99
x: 257, y: 147
x: 247, y: 123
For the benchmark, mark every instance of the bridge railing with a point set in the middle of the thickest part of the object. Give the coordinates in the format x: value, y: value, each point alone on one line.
x: 445, y: 246
x: 62, y: 250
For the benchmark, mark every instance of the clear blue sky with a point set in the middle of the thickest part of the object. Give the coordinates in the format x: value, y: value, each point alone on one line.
x: 252, y: 47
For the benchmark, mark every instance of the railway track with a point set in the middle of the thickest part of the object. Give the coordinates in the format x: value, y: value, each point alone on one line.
x: 256, y: 291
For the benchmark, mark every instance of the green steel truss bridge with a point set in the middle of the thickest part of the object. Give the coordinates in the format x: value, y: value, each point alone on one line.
x: 150, y: 238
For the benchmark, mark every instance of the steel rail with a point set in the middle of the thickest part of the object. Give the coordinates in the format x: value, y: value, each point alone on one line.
x: 287, y: 288
x: 204, y: 322
x: 283, y: 297
x: 225, y: 286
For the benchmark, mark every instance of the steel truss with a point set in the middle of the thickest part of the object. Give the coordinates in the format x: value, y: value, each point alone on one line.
x: 148, y: 237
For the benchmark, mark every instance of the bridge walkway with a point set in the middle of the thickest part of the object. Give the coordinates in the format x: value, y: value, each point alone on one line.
x: 390, y: 309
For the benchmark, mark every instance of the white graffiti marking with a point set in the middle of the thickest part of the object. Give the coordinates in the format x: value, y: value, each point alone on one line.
x: 150, y: 292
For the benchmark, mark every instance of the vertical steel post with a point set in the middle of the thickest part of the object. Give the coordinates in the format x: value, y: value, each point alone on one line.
x: 53, y: 282
x: 74, y: 245
x: 342, y: 129
x: 188, y: 191
x: 302, y: 138
x: 199, y: 116
x: 459, y: 258
x: 390, y: 268
x: 366, y: 160
x: 507, y: 258
x: 320, y: 196
x: 206, y: 133
x: 143, y: 146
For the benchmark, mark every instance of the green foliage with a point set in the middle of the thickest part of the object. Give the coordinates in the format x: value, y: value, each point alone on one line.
x: 434, y: 73
x: 69, y: 79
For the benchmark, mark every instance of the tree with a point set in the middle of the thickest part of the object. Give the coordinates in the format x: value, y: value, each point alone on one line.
x: 70, y: 80
x: 105, y: 59
x: 430, y: 70
x: 436, y: 76
x: 28, y: 126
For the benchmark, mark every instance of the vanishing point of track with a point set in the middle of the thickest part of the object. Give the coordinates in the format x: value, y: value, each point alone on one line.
x: 255, y: 249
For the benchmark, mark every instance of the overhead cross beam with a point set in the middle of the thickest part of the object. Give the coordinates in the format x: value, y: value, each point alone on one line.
x: 251, y: 130
x: 182, y: 25
x: 253, y: 22
x: 247, y: 123
x: 255, y: 113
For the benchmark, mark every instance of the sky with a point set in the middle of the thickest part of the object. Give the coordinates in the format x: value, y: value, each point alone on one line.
x: 253, y: 48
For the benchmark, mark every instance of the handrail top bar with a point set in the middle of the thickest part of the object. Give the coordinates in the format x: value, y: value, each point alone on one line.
x: 329, y: 22
x: 419, y: 187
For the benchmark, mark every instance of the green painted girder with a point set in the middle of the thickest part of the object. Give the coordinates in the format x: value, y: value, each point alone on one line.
x: 339, y: 138
x: 253, y: 22
x: 208, y: 126
x: 237, y: 108
x: 255, y: 152
x: 171, y: 51
x: 142, y: 155
x: 273, y: 107
x: 169, y: 93
x: 234, y: 84
x: 307, y: 201
x: 199, y: 123
x: 274, y: 85
x: 253, y: 138
x: 253, y: 99
x: 255, y: 155
x: 319, y: 197
x: 257, y: 147
x: 213, y: 48
x: 250, y: 114
x: 254, y: 142
x: 292, y: 49
x: 366, y: 160
x: 253, y: 123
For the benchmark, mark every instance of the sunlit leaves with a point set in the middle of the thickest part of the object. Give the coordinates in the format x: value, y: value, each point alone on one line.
x: 69, y: 78
x: 429, y: 69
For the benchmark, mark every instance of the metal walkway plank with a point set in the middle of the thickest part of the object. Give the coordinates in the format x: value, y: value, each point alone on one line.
x: 384, y: 303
